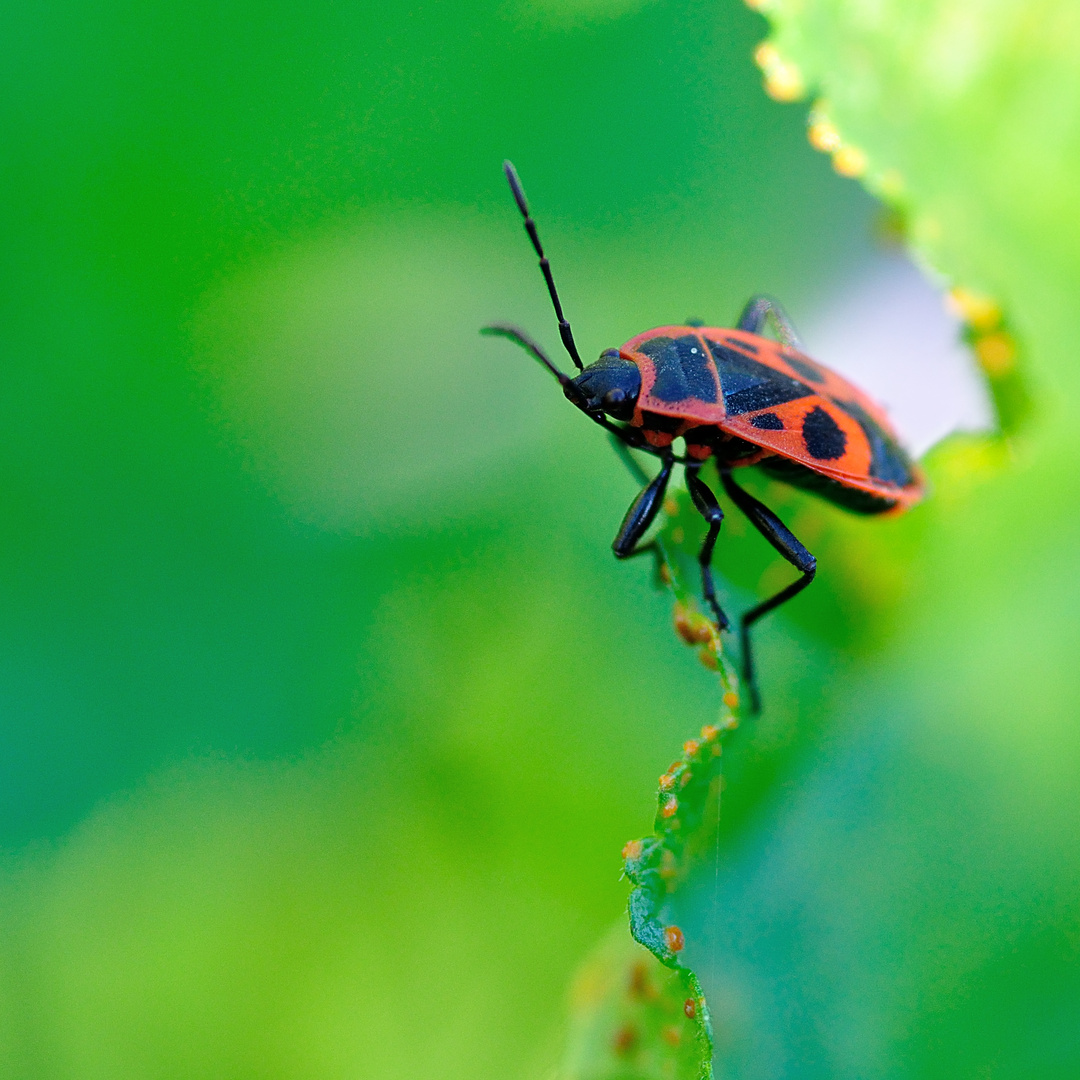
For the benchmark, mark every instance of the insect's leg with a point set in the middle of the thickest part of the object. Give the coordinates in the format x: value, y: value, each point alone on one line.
x: 628, y: 459
x: 642, y: 513
x: 709, y: 508
x: 622, y: 448
x: 652, y: 548
x: 756, y: 314
x: 786, y: 543
x: 630, y: 436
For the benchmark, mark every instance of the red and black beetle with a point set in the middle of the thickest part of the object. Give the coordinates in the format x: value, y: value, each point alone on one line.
x: 743, y: 399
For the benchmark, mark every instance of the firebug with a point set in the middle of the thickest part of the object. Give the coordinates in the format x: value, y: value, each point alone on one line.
x: 743, y: 399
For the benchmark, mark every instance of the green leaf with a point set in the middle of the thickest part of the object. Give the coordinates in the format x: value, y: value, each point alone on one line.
x: 963, y: 119
x: 882, y: 916
x: 638, y: 1015
x: 960, y: 116
x: 633, y: 1018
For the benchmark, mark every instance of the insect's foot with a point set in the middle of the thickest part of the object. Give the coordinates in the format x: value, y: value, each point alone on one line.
x: 755, y: 700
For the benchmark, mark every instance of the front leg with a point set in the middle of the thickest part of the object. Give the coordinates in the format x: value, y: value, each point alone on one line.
x: 642, y: 513
x: 627, y: 434
x: 628, y: 459
x: 756, y: 314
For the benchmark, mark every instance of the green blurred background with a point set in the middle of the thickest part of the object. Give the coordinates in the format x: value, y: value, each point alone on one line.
x: 325, y: 709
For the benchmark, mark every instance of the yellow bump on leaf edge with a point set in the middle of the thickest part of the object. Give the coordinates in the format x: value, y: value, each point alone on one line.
x: 847, y: 160
x: 783, y: 79
x: 632, y: 1016
x: 850, y: 161
x: 979, y: 311
x: 984, y: 325
x: 994, y: 346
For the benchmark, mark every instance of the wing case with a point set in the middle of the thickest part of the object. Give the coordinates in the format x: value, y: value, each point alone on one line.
x: 775, y: 397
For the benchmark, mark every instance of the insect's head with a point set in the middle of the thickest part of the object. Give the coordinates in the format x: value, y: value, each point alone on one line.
x: 611, y: 384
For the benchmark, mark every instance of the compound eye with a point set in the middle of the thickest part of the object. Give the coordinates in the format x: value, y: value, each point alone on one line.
x: 618, y: 403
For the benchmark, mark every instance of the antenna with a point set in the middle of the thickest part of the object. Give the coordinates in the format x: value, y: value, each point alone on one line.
x: 530, y: 227
x: 519, y: 337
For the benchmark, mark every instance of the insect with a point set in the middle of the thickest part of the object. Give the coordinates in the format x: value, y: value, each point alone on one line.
x: 743, y: 399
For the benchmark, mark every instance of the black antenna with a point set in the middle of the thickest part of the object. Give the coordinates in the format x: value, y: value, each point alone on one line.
x: 530, y: 227
x: 519, y: 337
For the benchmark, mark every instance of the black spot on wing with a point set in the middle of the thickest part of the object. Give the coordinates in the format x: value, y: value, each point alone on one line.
x: 888, y: 462
x: 767, y: 421
x: 750, y: 385
x: 744, y: 345
x: 810, y: 372
x: 823, y: 436
x: 682, y: 369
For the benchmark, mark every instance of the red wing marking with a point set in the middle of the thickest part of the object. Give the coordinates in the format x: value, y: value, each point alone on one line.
x: 833, y: 427
x: 853, y: 459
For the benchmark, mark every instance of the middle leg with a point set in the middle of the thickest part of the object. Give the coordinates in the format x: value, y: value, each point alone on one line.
x: 709, y: 508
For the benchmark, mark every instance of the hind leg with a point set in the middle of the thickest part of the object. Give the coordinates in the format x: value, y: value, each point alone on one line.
x: 788, y: 545
x: 756, y: 314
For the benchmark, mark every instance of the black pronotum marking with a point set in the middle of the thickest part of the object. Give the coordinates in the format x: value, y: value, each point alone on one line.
x: 825, y: 440
x: 682, y: 369
x: 808, y: 371
x: 888, y: 462
x: 750, y: 385
x: 767, y: 421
